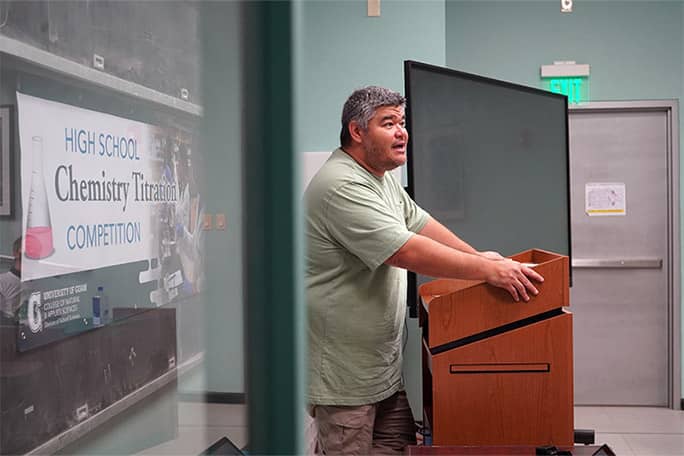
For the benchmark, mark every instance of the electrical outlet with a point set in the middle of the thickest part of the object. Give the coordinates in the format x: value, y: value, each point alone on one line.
x: 566, y: 6
x: 220, y: 221
x: 207, y: 222
x: 373, y: 8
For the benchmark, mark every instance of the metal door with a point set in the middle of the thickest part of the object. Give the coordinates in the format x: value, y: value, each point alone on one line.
x: 625, y: 253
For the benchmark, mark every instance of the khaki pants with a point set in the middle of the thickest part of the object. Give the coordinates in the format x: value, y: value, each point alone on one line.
x: 386, y: 427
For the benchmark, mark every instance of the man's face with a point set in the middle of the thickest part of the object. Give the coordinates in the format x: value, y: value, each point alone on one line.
x: 386, y: 139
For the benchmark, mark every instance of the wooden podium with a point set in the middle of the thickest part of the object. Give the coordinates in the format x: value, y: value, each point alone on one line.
x: 496, y: 371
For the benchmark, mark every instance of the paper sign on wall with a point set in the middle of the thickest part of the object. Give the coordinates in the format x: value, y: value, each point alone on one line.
x: 605, y: 199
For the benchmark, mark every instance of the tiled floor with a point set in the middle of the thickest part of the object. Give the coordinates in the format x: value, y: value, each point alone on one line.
x: 635, y: 431
x: 630, y: 431
x: 200, y: 425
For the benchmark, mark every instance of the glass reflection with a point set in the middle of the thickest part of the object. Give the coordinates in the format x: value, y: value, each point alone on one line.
x: 122, y: 304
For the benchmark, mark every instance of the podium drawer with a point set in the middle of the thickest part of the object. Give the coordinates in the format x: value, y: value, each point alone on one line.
x: 513, y: 388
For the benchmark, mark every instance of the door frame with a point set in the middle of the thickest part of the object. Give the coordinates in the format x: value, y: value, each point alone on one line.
x: 673, y: 260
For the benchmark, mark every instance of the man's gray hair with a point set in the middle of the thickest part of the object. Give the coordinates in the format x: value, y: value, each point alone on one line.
x: 361, y: 106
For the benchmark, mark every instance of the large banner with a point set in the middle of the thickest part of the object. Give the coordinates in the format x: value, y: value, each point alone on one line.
x: 100, y: 191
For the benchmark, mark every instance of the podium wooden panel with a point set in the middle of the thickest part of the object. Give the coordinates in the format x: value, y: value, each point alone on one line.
x: 497, y: 372
x: 499, y: 450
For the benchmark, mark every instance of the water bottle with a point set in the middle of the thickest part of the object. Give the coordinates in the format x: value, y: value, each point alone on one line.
x: 96, y: 310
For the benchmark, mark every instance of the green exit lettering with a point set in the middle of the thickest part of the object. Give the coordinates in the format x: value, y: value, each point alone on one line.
x: 570, y: 87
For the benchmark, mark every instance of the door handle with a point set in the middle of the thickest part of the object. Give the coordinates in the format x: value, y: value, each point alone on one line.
x: 624, y: 263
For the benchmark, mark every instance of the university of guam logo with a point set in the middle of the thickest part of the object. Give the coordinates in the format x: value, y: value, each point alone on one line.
x: 35, y: 313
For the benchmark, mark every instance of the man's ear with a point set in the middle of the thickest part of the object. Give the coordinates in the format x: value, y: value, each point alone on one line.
x: 355, y: 131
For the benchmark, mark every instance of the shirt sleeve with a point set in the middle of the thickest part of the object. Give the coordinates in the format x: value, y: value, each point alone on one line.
x: 416, y: 217
x: 365, y: 225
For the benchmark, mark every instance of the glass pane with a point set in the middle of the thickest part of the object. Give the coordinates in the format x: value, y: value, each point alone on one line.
x: 122, y: 305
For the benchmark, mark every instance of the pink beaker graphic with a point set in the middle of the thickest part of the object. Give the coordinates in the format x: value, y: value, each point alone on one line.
x: 38, y: 239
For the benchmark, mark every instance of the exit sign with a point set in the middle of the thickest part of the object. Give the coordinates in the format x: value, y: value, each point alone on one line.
x: 576, y: 89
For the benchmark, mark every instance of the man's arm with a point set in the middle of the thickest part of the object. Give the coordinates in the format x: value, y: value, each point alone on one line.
x: 440, y: 233
x: 427, y: 256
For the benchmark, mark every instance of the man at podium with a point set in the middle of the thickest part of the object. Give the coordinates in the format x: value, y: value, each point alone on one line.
x: 363, y: 232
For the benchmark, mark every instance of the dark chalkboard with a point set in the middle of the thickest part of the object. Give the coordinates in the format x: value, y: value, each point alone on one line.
x: 151, y: 43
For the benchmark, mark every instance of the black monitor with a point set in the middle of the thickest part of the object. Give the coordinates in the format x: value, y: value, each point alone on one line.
x: 488, y: 159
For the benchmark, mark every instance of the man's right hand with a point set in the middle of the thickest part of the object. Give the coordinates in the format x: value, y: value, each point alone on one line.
x: 514, y: 277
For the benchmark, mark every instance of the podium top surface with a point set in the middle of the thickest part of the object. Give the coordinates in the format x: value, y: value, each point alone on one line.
x: 454, y: 309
